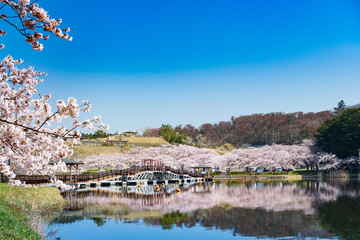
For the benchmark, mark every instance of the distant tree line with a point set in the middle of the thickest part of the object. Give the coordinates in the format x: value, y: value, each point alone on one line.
x: 336, y: 131
x: 259, y: 129
x: 96, y: 134
x: 255, y: 129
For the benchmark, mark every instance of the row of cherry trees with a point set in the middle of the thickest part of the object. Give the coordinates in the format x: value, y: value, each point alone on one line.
x: 180, y: 157
x: 285, y: 156
x: 184, y: 157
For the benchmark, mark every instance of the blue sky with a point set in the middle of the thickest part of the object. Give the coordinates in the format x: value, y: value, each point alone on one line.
x: 144, y: 63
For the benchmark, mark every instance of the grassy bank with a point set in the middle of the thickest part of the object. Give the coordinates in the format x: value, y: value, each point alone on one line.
x: 149, y: 140
x: 84, y: 151
x: 22, y: 210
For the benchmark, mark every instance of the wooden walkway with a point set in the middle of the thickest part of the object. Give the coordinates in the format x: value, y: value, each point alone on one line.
x: 39, y: 179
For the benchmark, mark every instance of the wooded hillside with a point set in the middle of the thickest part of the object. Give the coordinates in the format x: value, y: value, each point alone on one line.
x: 259, y: 129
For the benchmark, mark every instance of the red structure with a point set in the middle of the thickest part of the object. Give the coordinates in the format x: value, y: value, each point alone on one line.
x: 153, y: 165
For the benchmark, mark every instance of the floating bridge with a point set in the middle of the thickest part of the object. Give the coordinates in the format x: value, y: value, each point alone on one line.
x: 150, y: 172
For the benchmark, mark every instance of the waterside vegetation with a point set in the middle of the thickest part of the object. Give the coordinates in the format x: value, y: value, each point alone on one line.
x: 21, y: 208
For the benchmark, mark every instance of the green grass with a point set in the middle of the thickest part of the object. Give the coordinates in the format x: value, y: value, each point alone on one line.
x: 217, y: 173
x: 16, y: 206
x: 149, y: 140
x: 84, y: 151
x: 28, y: 199
x: 302, y: 172
x: 13, y: 226
x: 245, y: 173
x: 90, y: 171
x: 139, y: 139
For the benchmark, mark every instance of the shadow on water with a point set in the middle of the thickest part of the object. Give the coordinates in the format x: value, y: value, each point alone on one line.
x: 261, y: 209
x: 341, y: 217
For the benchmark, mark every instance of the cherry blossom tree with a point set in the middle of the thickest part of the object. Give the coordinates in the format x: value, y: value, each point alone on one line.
x: 184, y: 157
x: 101, y: 161
x: 29, y: 137
x: 179, y: 157
x: 278, y: 155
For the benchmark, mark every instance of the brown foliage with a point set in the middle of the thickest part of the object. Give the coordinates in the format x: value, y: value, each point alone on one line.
x: 260, y: 129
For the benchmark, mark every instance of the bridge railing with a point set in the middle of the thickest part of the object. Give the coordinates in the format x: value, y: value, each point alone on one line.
x: 40, y: 179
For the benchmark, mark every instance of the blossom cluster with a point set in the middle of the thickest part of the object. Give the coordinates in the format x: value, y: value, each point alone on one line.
x: 278, y: 155
x: 30, y: 17
x: 185, y: 157
x: 179, y: 157
x: 27, y: 136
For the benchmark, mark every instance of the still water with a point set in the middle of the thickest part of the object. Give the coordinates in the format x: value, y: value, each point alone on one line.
x: 234, y: 210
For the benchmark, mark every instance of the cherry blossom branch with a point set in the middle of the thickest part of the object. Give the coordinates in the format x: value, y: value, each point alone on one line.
x: 28, y: 128
x: 7, y: 145
x: 32, y: 17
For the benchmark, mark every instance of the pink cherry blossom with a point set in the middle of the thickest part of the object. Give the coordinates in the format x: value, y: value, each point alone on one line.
x: 27, y: 17
x: 28, y: 137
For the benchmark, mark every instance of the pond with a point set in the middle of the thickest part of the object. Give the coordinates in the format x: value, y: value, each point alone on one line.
x: 233, y: 210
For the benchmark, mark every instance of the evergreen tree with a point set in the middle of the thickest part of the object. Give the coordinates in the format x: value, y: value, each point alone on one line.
x: 340, y: 107
x: 341, y: 135
x: 170, y: 135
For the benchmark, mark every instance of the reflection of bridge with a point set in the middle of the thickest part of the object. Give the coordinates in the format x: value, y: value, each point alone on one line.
x: 146, y: 178
x: 144, y: 190
x: 146, y: 195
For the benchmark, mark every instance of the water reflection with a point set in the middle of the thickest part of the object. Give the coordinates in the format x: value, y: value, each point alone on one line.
x: 268, y: 209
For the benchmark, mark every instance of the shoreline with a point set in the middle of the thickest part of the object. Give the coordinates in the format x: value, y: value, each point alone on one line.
x: 276, y: 177
x: 286, y: 177
x: 23, y: 210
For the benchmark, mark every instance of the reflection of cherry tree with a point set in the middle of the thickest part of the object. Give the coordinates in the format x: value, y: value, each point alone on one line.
x: 276, y: 198
x: 267, y: 196
x: 271, y: 197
